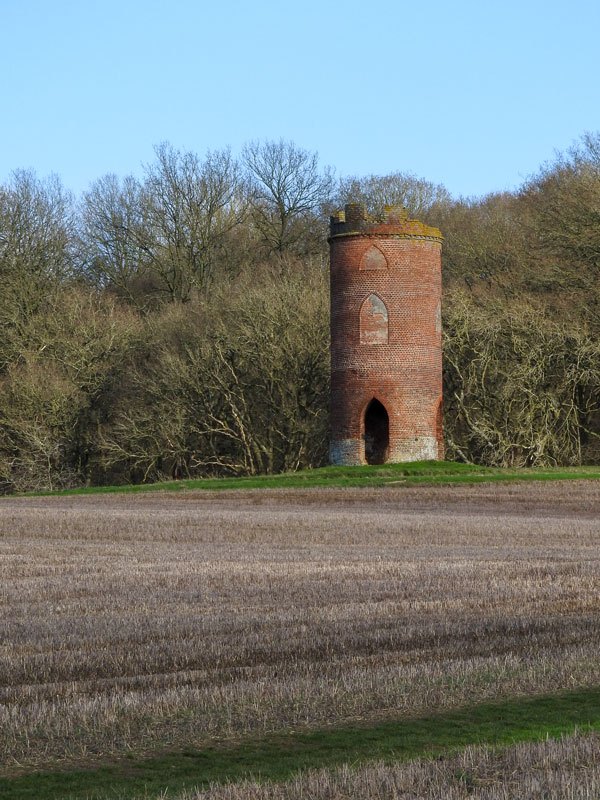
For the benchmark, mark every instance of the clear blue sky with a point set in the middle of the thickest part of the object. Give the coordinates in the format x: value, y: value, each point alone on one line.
x: 475, y: 95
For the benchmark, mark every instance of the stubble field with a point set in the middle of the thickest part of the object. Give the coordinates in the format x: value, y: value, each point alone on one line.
x: 144, y: 623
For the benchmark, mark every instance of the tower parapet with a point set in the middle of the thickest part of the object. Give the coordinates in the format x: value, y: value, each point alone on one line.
x: 394, y: 221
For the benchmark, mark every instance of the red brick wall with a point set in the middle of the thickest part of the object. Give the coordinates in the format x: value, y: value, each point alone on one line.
x: 404, y: 372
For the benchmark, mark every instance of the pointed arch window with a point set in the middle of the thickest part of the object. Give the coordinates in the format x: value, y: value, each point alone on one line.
x: 373, y: 321
x: 373, y: 259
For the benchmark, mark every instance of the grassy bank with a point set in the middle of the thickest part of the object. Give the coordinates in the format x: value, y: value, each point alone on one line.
x: 411, y: 473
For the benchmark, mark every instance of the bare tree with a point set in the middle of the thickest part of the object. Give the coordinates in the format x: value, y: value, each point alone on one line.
x: 487, y: 246
x: 36, y: 226
x: 50, y: 393
x: 286, y: 187
x: 36, y: 252
x: 564, y: 204
x: 190, y: 206
x: 238, y: 384
x: 375, y: 192
x: 114, y: 235
x: 520, y: 387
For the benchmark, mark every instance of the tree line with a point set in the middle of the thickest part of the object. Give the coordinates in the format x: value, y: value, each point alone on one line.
x: 176, y: 324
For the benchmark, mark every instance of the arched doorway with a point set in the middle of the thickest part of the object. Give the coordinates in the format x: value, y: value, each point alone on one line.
x: 377, y: 433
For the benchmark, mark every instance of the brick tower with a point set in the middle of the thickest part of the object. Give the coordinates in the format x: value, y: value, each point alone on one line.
x: 386, y: 338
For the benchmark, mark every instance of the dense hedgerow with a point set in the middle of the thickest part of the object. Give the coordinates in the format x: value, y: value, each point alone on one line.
x: 177, y: 325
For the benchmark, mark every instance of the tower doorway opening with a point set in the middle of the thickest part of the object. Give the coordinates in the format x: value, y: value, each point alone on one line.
x: 377, y: 433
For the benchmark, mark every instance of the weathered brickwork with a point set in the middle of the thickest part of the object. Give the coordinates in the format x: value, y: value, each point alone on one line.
x: 385, y: 268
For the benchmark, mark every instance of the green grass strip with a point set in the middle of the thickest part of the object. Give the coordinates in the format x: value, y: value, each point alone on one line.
x: 278, y: 757
x: 412, y: 473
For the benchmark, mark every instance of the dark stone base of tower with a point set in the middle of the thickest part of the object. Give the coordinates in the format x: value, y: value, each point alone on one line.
x: 386, y: 344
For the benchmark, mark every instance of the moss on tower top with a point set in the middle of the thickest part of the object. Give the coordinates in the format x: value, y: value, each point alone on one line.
x: 355, y: 221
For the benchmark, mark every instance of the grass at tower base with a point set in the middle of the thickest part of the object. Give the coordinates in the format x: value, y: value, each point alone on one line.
x: 406, y: 474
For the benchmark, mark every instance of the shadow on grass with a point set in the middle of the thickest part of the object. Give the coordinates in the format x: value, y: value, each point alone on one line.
x: 277, y: 757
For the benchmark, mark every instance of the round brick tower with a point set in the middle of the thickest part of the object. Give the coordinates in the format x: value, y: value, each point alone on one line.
x: 386, y: 338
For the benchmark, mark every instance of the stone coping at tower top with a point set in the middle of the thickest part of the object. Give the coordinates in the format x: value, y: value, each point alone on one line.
x: 355, y: 221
